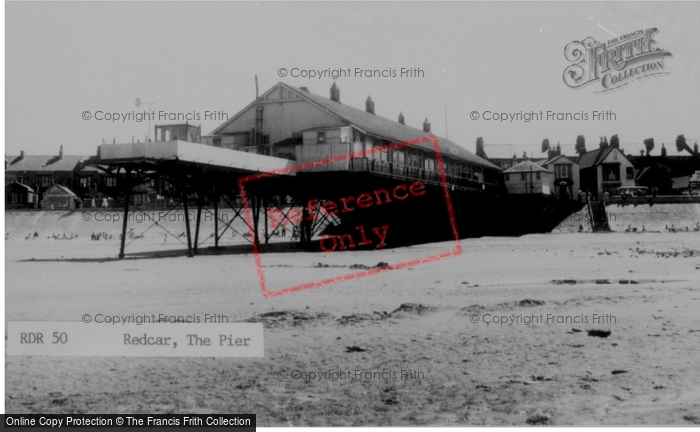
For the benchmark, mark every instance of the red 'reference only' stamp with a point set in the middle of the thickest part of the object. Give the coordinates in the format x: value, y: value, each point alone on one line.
x: 375, y: 235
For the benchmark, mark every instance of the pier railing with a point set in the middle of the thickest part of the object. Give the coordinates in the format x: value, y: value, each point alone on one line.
x: 405, y: 171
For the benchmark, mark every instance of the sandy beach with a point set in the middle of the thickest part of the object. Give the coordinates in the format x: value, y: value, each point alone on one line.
x: 416, y: 346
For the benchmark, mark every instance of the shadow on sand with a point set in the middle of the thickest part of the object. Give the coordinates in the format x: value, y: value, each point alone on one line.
x: 173, y: 253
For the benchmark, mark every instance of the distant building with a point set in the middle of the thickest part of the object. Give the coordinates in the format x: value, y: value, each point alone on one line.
x: 566, y: 178
x: 42, y: 172
x: 19, y: 195
x: 527, y: 177
x: 605, y: 170
x: 665, y: 175
x: 59, y: 197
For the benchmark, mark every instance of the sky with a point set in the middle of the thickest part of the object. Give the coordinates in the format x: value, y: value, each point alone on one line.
x: 65, y: 58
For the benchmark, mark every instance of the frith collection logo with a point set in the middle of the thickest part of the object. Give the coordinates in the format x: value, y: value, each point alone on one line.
x: 615, y: 63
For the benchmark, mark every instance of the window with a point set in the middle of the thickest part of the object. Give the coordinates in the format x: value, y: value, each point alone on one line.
x: 507, y: 177
x: 111, y: 182
x: 217, y: 142
x: 522, y: 176
x: 321, y: 138
x: 85, y: 182
x: 611, y: 172
x: 630, y: 173
x: 45, y: 181
x: 537, y: 175
x: 562, y: 171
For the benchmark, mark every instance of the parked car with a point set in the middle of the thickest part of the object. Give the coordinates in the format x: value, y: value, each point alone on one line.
x: 632, y: 191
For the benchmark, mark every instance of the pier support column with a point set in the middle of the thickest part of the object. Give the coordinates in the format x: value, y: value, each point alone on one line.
x: 187, y: 220
x: 196, y: 229
x: 127, y: 197
x: 216, y: 221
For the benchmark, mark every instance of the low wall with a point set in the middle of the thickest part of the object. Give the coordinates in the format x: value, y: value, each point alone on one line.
x: 642, y: 214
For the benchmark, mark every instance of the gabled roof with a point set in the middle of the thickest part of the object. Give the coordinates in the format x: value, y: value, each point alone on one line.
x: 526, y: 166
x: 44, y: 163
x: 17, y: 184
x: 558, y: 158
x: 378, y: 126
x: 595, y: 157
x: 58, y: 189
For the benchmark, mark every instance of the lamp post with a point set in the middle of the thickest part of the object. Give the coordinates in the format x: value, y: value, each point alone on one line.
x: 139, y: 102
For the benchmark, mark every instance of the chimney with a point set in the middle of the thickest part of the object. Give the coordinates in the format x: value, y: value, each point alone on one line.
x: 335, y: 93
x: 21, y: 154
x: 426, y: 125
x: 401, y: 119
x: 369, y: 105
x: 60, y: 152
x: 306, y: 89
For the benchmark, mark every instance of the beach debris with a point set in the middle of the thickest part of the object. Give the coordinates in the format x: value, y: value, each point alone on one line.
x: 483, y: 386
x: 356, y: 318
x: 692, y: 418
x: 619, y: 398
x: 286, y: 318
x: 412, y: 307
x: 589, y: 379
x: 599, y: 333
x: 351, y: 349
x: 602, y: 281
x: 360, y: 267
x: 381, y: 264
x: 564, y: 281
x: 538, y: 419
x: 528, y: 302
x: 576, y: 330
x: 465, y: 283
x: 540, y: 378
x: 619, y: 371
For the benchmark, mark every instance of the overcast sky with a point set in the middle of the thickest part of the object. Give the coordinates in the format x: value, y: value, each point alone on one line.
x: 66, y: 58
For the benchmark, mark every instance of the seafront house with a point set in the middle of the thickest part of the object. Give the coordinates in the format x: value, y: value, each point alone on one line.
x: 527, y: 177
x: 604, y: 170
x: 566, y: 177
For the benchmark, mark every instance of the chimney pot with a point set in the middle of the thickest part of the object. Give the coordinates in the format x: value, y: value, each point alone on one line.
x: 401, y: 119
x: 335, y: 93
x: 369, y: 105
x: 426, y: 125
x: 306, y: 89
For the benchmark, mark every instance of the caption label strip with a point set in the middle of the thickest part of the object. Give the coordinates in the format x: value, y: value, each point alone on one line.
x: 134, y: 340
x: 244, y: 422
